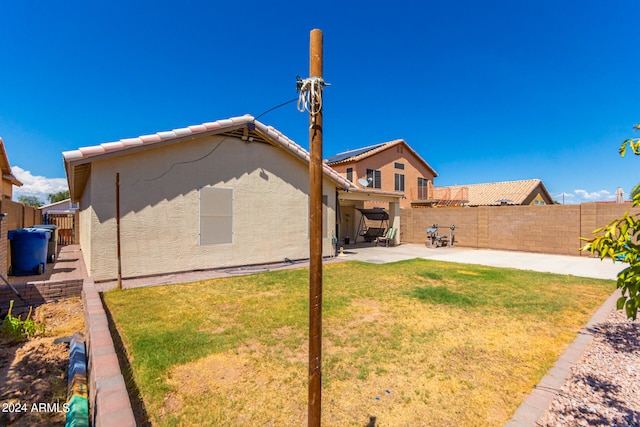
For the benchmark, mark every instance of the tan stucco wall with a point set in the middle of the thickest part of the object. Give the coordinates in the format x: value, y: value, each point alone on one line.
x: 86, y: 218
x: 160, y: 208
x: 384, y: 161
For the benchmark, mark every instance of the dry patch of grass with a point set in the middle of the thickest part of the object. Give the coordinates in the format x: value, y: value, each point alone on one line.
x: 411, y: 343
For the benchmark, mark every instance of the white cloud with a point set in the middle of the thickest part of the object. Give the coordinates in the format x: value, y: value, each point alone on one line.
x: 583, y: 196
x: 596, y: 196
x: 36, y: 185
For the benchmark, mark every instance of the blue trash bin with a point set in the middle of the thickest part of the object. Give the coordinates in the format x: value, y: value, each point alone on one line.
x: 28, y: 251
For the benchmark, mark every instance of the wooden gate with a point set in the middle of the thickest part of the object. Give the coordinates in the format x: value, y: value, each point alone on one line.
x: 66, y: 226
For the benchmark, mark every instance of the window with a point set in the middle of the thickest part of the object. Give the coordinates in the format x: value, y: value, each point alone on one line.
x: 398, y: 165
x: 423, y: 188
x: 350, y: 174
x: 399, y: 182
x: 216, y: 215
x: 374, y: 176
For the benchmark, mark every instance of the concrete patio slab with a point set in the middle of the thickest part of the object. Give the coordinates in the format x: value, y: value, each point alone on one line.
x: 581, y: 266
x: 560, y: 264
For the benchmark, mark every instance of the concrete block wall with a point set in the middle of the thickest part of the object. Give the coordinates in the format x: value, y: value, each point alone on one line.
x: 109, y: 403
x: 548, y: 229
x: 38, y: 293
x: 414, y: 223
x: 19, y: 215
x: 554, y: 229
x: 606, y: 213
x: 4, y: 244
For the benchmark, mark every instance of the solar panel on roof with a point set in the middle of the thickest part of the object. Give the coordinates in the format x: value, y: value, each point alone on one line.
x: 351, y: 153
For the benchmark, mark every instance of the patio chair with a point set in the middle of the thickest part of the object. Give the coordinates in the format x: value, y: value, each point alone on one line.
x: 373, y: 233
x: 388, y: 238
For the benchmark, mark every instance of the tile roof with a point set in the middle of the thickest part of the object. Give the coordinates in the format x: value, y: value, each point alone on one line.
x: 88, y: 154
x: 361, y: 153
x: 77, y: 161
x: 511, y: 192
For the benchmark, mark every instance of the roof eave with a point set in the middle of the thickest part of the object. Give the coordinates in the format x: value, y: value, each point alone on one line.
x: 159, y: 139
x: 11, y: 177
x: 77, y: 162
x: 83, y: 157
x: 374, y: 149
x: 546, y: 192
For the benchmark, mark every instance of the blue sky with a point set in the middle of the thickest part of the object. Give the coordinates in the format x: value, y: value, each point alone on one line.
x: 485, y: 91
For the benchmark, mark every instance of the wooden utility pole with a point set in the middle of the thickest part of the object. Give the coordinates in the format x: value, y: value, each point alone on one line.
x: 315, y: 236
x: 118, y: 229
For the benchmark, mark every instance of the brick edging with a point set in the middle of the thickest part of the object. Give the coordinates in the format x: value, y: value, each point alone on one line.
x: 536, y: 404
x: 109, y: 402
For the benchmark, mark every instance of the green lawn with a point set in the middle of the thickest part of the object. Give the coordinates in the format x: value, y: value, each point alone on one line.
x: 411, y: 343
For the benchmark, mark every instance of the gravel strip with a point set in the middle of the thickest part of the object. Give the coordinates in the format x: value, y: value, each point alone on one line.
x: 603, y: 389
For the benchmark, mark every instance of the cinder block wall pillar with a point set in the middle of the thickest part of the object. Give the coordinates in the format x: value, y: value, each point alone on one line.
x: 588, y: 222
x: 394, y: 220
x: 483, y: 226
x: 4, y: 245
x: 406, y: 234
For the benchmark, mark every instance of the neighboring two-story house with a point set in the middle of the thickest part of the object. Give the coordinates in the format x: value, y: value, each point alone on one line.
x: 387, y: 167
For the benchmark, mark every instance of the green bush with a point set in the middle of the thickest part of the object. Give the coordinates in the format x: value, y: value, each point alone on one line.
x: 16, y: 329
x: 620, y: 241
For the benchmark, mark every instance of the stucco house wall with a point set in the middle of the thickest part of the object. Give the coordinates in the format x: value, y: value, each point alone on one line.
x: 160, y: 208
x: 85, y: 216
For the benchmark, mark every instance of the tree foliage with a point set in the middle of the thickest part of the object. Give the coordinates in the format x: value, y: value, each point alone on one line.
x: 30, y: 201
x: 58, y: 197
x: 620, y: 241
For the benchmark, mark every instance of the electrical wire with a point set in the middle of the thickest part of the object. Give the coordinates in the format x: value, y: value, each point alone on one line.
x: 277, y: 106
x: 310, y: 98
x: 186, y: 162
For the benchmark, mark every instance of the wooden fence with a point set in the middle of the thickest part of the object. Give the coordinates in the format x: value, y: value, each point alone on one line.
x: 66, y: 226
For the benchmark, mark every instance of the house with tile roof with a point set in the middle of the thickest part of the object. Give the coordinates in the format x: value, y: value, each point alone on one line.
x: 8, y: 178
x: 523, y: 192
x: 227, y: 193
x: 389, y: 166
x: 392, y: 168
